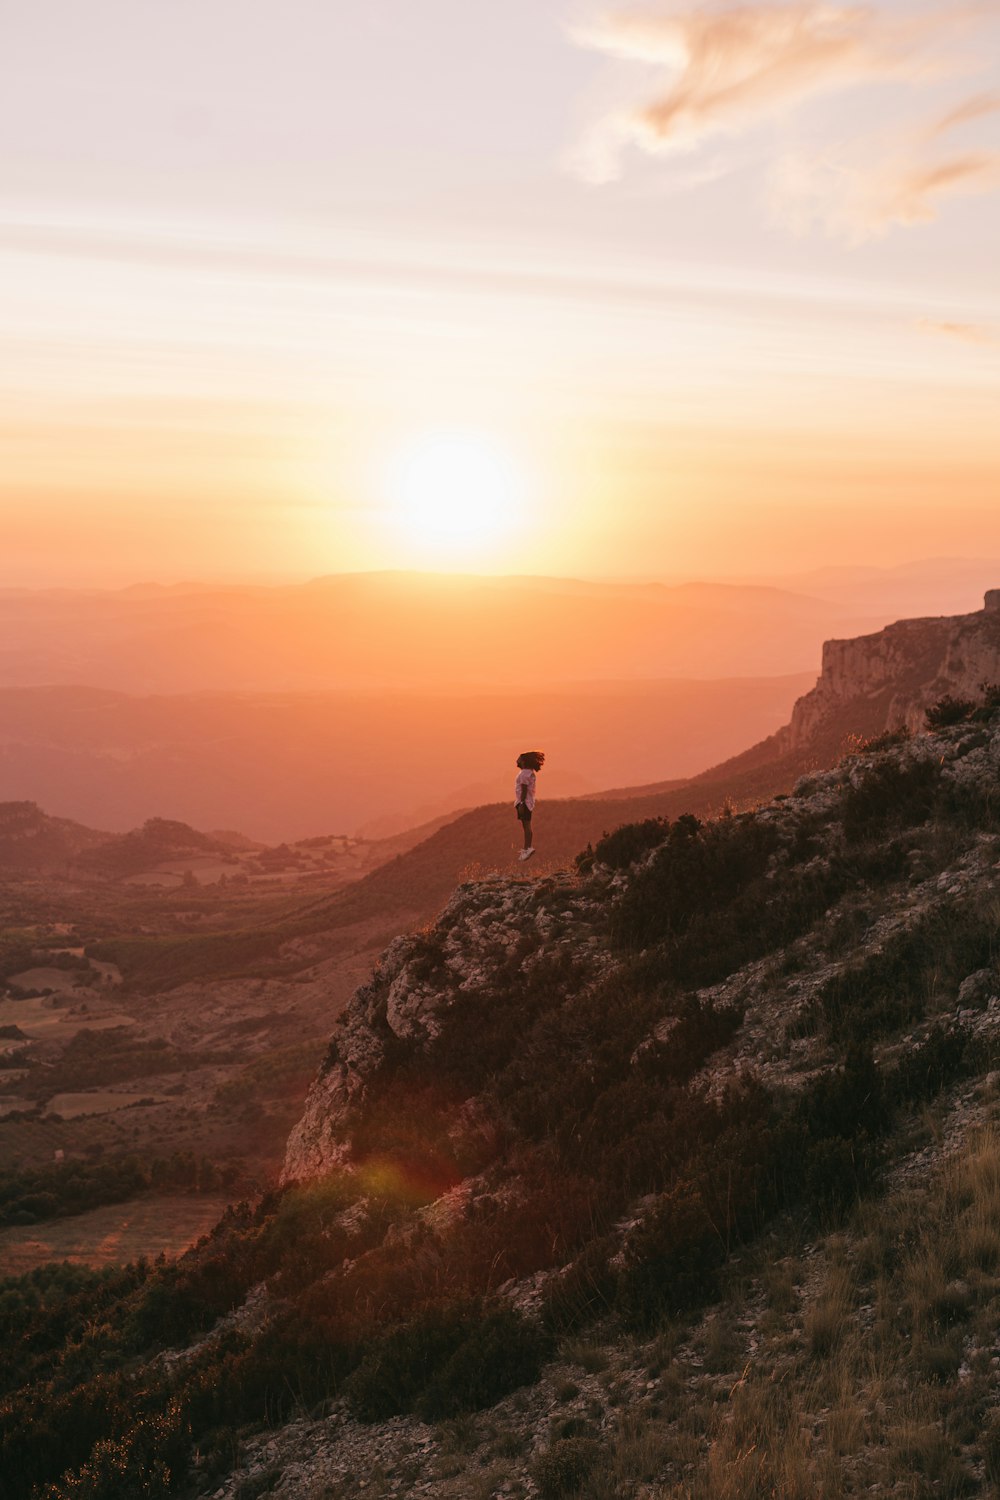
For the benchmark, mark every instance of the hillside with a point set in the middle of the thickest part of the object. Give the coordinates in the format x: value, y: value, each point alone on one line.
x: 32, y: 842
x: 410, y: 888
x: 158, y: 840
x: 164, y: 851
x: 673, y: 1175
x: 868, y: 686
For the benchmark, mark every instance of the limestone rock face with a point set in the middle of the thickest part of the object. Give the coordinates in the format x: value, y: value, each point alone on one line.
x: 889, y: 679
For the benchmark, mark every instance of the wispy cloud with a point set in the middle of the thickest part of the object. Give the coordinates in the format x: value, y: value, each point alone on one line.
x: 730, y: 67
x: 976, y: 108
x: 727, y: 68
x: 860, y: 191
x: 964, y: 333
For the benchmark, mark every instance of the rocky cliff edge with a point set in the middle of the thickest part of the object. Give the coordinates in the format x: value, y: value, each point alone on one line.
x: 889, y: 679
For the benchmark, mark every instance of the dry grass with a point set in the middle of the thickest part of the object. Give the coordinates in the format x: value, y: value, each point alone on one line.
x: 828, y: 1318
x: 865, y: 1397
x: 780, y: 1282
x: 724, y: 1346
x: 635, y: 1454
x: 589, y: 1356
x: 828, y: 1373
x: 756, y: 1450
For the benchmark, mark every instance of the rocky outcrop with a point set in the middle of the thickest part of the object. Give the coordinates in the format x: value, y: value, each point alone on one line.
x: 495, y: 933
x: 499, y: 936
x: 889, y: 679
x: 492, y: 933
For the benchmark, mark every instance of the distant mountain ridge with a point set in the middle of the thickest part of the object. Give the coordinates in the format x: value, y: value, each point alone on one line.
x: 164, y: 850
x: 280, y: 766
x: 412, y: 632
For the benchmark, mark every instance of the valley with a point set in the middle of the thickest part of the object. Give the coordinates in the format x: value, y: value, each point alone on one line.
x: 168, y: 993
x: 191, y: 1086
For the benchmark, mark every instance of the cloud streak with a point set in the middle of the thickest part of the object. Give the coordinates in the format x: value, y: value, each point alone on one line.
x: 860, y: 192
x: 731, y: 67
x: 964, y: 333
x: 976, y: 108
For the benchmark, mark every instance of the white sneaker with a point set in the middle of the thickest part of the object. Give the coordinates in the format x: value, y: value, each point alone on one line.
x: 526, y: 853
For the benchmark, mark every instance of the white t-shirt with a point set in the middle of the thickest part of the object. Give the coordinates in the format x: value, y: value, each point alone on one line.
x: 525, y: 779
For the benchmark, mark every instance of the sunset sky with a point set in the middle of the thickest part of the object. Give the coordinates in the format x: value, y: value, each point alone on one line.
x: 670, y: 289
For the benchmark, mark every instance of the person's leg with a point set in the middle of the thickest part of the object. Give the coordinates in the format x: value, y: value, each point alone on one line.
x: 526, y: 825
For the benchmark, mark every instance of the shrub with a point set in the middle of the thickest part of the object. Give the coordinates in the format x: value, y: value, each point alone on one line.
x: 991, y: 1448
x: 894, y: 985
x: 699, y: 1030
x: 716, y: 897
x: 501, y: 1352
x: 847, y: 1101
x: 672, y: 1259
x: 946, y: 1053
x: 698, y: 868
x: 585, y: 1289
x: 884, y: 741
x: 564, y: 1468
x: 949, y: 710
x: 891, y: 794
x: 627, y: 844
x: 449, y: 1359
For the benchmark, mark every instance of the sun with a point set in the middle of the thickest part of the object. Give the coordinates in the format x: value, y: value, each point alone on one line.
x: 452, y: 491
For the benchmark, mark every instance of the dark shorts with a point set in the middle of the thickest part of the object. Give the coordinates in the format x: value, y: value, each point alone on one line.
x: 523, y: 813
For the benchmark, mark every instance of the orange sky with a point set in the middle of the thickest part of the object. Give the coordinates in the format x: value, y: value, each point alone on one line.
x: 713, y: 286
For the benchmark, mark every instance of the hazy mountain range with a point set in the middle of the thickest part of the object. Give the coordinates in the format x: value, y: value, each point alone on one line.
x: 372, y: 631
x: 285, y: 766
x: 370, y: 703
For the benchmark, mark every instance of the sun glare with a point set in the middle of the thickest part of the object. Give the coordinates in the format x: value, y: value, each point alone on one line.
x: 453, y: 492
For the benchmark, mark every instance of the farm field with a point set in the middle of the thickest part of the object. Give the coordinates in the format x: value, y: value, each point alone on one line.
x: 45, y: 1018
x: 71, y: 1106
x: 112, y: 1235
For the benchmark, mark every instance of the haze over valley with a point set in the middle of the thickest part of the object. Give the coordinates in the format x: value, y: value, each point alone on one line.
x: 369, y: 704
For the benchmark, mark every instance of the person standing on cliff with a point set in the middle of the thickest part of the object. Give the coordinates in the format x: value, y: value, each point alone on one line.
x: 528, y: 764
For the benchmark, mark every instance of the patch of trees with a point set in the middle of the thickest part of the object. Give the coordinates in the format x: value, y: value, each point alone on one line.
x: 74, y: 1187
x: 97, y: 1059
x: 158, y: 839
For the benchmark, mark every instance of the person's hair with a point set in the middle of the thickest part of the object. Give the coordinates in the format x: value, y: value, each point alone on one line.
x: 531, y: 760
